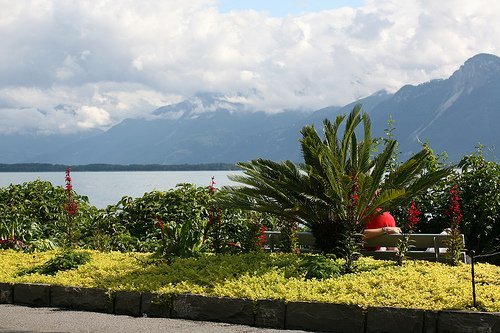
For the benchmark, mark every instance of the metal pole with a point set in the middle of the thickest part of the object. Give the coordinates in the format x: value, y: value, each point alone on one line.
x: 473, y: 280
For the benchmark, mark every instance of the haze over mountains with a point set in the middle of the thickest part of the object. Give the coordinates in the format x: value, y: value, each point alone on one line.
x: 453, y: 115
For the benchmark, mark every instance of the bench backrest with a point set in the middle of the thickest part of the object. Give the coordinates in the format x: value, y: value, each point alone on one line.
x: 417, y: 240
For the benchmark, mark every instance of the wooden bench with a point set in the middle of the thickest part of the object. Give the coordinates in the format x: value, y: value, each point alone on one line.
x: 422, y: 246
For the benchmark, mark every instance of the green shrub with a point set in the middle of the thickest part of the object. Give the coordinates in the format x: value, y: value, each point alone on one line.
x: 182, y: 222
x: 478, y: 183
x: 34, y: 211
x: 479, y: 186
x: 131, y: 222
x: 65, y: 261
x: 319, y: 267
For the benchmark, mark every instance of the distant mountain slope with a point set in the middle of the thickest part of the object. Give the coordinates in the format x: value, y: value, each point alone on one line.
x: 19, y: 148
x: 454, y: 115
x: 181, y: 134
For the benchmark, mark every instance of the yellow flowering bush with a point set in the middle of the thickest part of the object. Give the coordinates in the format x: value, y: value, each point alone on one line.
x: 416, y: 284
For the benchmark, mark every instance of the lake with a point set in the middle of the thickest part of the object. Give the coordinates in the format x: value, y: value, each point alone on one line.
x: 105, y: 188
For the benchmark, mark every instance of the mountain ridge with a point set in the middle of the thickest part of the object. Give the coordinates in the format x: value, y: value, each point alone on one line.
x: 453, y: 115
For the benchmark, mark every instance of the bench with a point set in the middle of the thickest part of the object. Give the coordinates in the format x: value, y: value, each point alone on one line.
x: 422, y: 246
x: 305, y: 239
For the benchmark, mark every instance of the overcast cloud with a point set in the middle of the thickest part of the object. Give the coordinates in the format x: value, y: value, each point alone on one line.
x: 76, y: 65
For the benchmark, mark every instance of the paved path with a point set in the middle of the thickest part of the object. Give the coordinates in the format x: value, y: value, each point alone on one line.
x: 22, y: 319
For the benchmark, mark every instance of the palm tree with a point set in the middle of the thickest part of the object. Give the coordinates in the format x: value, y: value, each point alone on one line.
x: 339, y: 185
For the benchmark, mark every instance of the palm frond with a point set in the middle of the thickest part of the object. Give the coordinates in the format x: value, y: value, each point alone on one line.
x: 320, y: 190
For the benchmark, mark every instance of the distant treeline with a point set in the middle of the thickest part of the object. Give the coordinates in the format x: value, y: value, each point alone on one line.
x: 45, y: 167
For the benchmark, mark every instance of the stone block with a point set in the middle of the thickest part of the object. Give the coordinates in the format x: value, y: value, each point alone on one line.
x: 394, y: 320
x: 153, y: 306
x: 468, y: 322
x: 32, y: 294
x: 324, y: 317
x: 6, y: 293
x: 86, y: 299
x: 270, y: 313
x: 128, y: 303
x: 221, y: 309
x: 430, y: 321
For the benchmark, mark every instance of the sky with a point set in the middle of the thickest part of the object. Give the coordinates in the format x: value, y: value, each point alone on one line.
x: 282, y: 8
x: 69, y: 66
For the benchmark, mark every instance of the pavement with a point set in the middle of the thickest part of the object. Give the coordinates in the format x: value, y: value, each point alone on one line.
x: 23, y: 319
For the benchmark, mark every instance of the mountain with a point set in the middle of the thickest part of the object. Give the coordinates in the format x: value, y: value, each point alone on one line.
x: 204, y: 129
x: 18, y: 148
x: 453, y: 115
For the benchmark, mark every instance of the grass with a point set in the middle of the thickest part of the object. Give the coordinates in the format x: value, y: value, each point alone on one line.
x: 416, y: 284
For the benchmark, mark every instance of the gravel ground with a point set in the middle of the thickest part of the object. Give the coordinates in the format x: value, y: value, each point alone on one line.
x: 22, y: 319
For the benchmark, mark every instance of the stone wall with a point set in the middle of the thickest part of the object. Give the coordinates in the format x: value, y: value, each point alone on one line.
x: 307, y: 316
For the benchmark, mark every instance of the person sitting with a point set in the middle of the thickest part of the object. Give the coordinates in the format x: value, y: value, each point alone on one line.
x: 381, y: 224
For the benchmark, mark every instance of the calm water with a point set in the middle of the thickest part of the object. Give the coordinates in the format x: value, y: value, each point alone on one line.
x: 104, y: 188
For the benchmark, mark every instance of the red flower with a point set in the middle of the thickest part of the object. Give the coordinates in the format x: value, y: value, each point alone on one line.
x: 454, y: 211
x: 262, y: 236
x: 211, y: 187
x: 160, y: 224
x: 67, y: 178
x: 413, y: 216
x: 71, y: 206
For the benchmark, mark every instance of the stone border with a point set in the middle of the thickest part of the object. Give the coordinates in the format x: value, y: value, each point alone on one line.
x: 310, y: 316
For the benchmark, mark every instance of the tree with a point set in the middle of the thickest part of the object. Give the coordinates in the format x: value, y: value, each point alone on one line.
x: 339, y: 186
x: 479, y: 185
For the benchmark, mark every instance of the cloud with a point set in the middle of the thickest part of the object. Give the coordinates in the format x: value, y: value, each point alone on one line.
x: 110, y: 60
x: 92, y: 117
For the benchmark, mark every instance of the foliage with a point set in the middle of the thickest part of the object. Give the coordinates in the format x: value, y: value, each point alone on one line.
x: 131, y: 223
x: 479, y: 186
x: 454, y: 213
x: 393, y: 162
x: 214, y: 226
x: 338, y: 186
x: 64, y: 261
x: 180, y: 239
x: 319, y: 267
x: 183, y: 221
x: 71, y: 209
x: 234, y: 230
x: 34, y: 211
x: 416, y: 284
x: 12, y: 243
x: 412, y: 220
x: 432, y: 202
x: 478, y: 182
x: 289, y: 239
